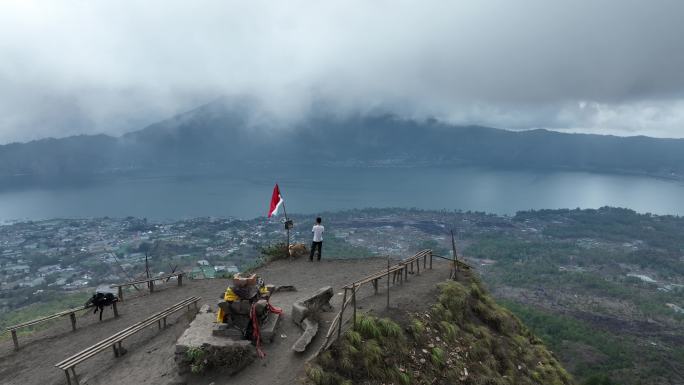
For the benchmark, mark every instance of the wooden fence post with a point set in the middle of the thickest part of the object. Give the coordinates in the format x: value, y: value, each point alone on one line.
x: 354, y: 303
x: 344, y: 303
x: 388, y: 286
x: 73, y: 372
x: 73, y: 321
x: 15, y: 339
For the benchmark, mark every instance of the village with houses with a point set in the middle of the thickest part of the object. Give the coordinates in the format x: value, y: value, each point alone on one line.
x: 40, y: 259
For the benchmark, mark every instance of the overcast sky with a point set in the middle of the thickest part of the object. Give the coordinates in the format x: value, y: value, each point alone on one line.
x: 613, y: 66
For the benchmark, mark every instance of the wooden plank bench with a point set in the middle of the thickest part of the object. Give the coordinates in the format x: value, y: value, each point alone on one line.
x: 148, y: 281
x: 71, y: 313
x: 115, y: 340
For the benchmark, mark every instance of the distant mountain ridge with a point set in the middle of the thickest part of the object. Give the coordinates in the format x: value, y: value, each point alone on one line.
x: 224, y: 134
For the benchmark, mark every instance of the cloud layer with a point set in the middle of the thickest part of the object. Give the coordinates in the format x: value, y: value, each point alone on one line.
x: 605, y: 66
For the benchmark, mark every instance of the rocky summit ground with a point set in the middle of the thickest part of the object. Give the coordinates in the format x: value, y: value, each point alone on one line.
x: 150, y: 357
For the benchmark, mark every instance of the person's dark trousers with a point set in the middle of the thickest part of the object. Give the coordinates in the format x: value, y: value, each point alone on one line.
x: 315, y: 245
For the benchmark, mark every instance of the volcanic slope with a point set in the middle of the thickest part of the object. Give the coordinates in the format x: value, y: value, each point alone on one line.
x: 150, y: 357
x: 463, y: 337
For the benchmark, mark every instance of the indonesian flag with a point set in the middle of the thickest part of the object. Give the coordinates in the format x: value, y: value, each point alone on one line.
x: 276, y: 201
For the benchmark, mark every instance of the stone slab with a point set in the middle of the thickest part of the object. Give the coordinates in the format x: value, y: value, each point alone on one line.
x: 268, y: 329
x: 310, y: 330
x: 316, y: 302
x: 227, y: 331
x: 299, y: 312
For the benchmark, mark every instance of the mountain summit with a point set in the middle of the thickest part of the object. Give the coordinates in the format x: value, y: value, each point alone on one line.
x: 226, y: 135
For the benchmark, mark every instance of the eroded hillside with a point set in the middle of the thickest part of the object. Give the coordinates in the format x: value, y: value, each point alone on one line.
x: 464, y: 338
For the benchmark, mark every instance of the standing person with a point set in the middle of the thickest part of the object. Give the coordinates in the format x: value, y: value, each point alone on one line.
x: 317, y: 231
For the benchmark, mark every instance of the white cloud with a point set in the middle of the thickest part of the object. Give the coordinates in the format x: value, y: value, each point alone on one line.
x: 84, y: 67
x: 659, y: 118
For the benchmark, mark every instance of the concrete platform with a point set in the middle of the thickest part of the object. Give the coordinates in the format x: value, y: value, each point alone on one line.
x: 218, y: 352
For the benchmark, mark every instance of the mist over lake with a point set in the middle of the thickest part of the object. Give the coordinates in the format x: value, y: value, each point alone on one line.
x: 314, y: 190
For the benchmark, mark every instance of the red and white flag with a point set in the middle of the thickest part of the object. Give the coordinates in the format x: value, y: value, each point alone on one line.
x: 276, y: 201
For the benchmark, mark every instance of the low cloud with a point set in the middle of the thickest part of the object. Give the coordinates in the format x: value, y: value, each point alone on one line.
x: 606, y: 66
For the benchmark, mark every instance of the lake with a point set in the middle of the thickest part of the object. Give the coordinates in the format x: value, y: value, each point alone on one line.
x: 335, y: 188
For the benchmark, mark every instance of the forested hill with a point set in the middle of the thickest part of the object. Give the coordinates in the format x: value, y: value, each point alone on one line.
x: 225, y: 135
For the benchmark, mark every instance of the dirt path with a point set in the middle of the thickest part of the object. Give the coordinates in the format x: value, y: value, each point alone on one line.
x: 150, y: 353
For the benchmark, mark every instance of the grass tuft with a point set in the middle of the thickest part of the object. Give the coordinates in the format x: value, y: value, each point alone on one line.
x: 389, y: 328
x: 315, y: 374
x: 417, y: 328
x: 437, y: 357
x: 353, y: 337
x: 367, y: 327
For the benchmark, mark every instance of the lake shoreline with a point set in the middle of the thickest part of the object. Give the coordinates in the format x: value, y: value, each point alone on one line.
x: 311, y: 190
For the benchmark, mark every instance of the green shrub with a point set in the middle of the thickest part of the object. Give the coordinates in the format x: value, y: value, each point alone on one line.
x: 275, y: 251
x: 197, y: 358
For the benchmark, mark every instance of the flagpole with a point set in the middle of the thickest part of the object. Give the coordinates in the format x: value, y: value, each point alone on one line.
x: 287, y: 226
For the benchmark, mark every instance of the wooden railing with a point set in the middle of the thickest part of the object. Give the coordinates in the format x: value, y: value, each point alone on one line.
x: 148, y: 281
x: 71, y: 313
x: 398, y: 272
x: 115, y: 340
